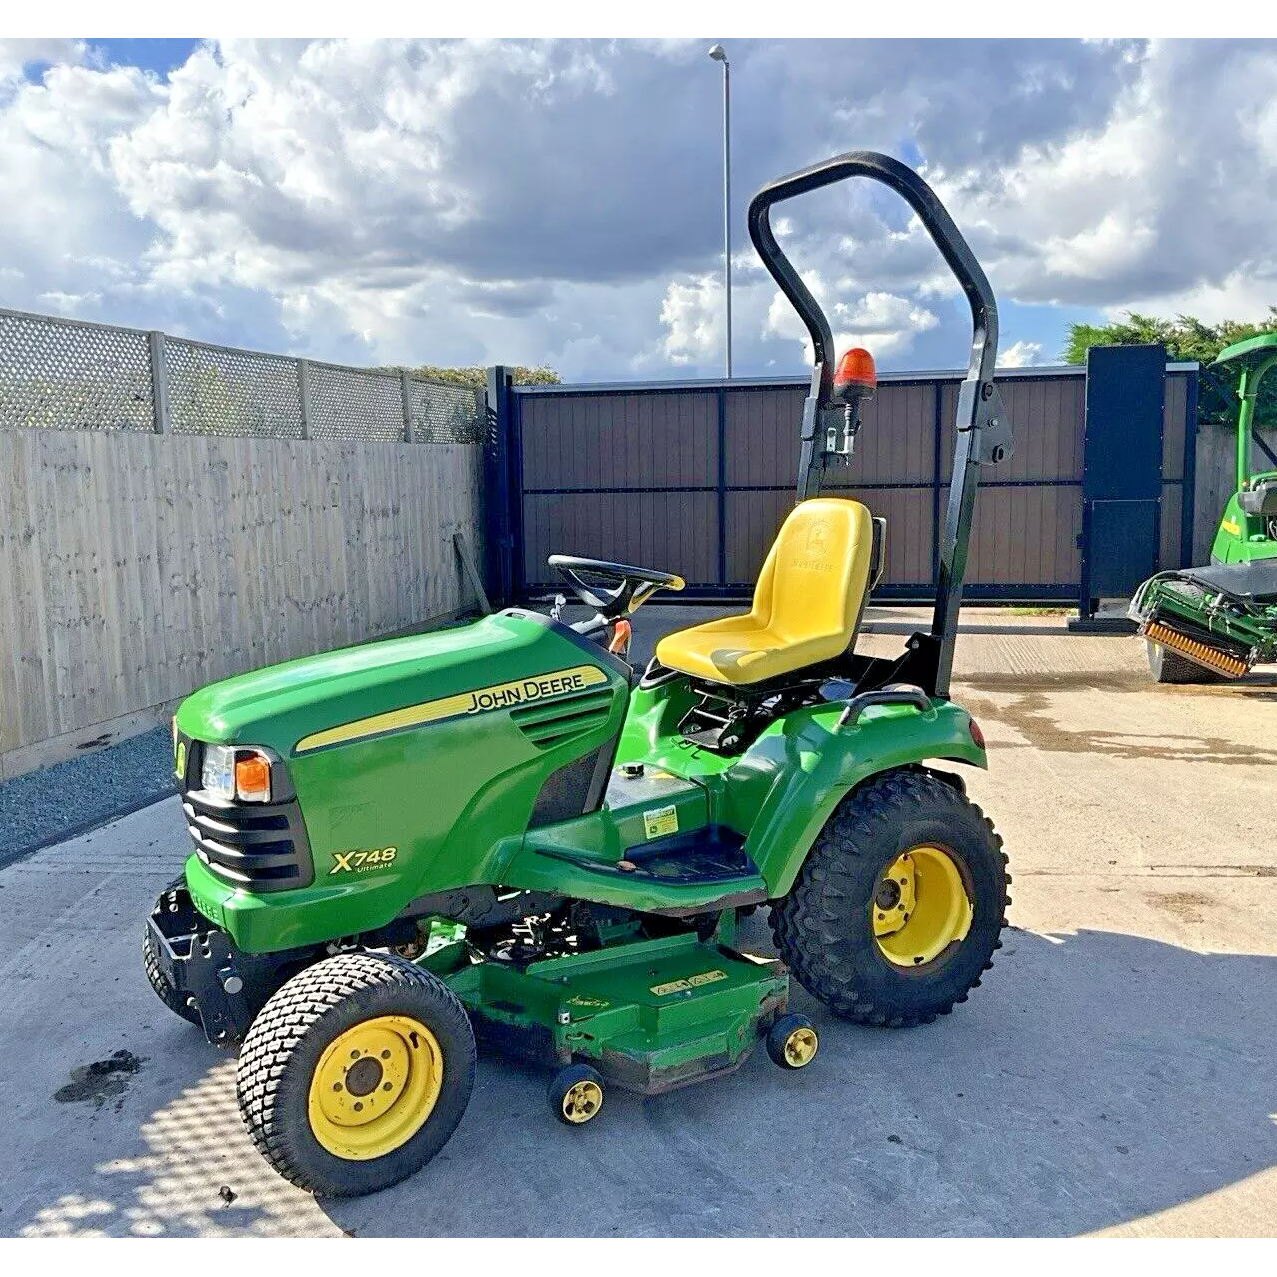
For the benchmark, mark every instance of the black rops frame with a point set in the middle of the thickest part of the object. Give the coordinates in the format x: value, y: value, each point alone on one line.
x: 983, y: 431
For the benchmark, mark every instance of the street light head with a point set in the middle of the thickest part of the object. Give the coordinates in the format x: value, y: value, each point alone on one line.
x: 718, y: 53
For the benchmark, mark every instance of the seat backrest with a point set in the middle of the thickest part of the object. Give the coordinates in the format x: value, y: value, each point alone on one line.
x: 815, y: 578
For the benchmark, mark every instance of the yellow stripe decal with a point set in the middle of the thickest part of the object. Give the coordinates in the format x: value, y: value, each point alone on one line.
x: 481, y: 700
x: 1229, y: 526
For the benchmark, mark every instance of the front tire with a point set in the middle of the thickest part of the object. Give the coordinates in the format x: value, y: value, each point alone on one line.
x: 897, y: 911
x: 356, y: 1073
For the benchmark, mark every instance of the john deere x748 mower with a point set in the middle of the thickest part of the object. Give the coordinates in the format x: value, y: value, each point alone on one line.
x: 492, y: 832
x: 1203, y: 624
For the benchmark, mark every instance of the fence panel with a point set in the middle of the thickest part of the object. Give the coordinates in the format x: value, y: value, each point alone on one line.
x: 60, y: 374
x: 173, y: 512
x: 214, y: 390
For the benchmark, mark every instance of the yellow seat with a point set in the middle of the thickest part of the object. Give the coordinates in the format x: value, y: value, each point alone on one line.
x: 807, y: 603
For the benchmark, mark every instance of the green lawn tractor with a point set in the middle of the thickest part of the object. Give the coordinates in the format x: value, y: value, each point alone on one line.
x: 495, y: 833
x: 1217, y: 622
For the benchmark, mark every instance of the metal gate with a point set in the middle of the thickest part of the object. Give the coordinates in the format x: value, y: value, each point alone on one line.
x: 696, y: 477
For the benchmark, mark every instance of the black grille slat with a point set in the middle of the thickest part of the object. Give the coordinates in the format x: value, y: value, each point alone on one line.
x: 274, y: 855
x: 258, y: 846
x: 551, y: 724
x: 219, y: 828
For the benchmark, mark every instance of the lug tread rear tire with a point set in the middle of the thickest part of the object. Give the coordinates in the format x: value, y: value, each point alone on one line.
x: 264, y: 1085
x: 822, y: 927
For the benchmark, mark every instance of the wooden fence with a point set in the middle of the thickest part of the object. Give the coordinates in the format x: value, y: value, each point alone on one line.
x: 135, y: 567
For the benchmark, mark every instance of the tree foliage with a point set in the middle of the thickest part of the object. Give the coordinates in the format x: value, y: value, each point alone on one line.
x: 479, y: 376
x: 1185, y: 338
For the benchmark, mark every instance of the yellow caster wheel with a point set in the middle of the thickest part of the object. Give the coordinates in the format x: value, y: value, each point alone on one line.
x: 792, y: 1042
x: 576, y: 1094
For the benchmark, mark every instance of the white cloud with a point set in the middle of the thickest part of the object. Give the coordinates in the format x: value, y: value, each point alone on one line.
x: 558, y: 202
x: 694, y: 317
x: 17, y: 55
x: 1021, y: 355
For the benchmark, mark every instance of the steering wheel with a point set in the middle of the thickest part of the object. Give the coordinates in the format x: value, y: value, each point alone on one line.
x: 614, y: 590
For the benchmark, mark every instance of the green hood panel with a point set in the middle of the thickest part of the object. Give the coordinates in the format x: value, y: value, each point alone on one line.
x: 281, y: 704
x: 417, y: 763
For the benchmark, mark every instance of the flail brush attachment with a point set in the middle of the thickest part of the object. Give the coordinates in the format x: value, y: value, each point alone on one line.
x: 1203, y: 653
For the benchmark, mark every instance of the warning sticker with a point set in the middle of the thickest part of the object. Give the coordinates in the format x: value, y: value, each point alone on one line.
x: 660, y: 821
x: 687, y: 985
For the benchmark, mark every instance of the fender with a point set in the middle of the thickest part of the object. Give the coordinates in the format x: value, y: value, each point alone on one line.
x: 806, y: 765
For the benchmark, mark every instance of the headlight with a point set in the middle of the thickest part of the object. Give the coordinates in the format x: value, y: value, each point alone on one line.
x: 229, y: 773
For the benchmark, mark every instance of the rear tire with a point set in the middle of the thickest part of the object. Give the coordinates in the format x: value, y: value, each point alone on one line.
x: 353, y: 1036
x: 826, y: 928
x: 1171, y: 667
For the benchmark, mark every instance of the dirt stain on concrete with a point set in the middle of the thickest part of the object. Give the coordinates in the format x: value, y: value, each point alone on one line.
x: 100, y: 1081
x: 1185, y: 905
x: 1029, y: 713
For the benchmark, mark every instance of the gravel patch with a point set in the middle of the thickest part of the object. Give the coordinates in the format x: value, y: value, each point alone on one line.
x: 46, y: 806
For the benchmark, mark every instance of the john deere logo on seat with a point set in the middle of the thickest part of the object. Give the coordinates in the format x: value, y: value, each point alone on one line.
x: 815, y: 556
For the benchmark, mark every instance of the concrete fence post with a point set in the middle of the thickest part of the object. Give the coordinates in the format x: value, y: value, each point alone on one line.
x: 303, y: 395
x: 405, y: 388
x: 159, y: 383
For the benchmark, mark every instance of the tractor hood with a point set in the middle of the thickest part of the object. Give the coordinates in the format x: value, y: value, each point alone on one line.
x: 304, y: 700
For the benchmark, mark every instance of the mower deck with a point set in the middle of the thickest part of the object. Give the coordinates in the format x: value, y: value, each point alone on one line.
x: 650, y: 1015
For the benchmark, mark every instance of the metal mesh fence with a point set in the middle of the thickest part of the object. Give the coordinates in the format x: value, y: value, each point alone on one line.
x: 62, y: 375
x: 350, y: 404
x: 445, y: 414
x: 213, y: 390
x: 67, y: 375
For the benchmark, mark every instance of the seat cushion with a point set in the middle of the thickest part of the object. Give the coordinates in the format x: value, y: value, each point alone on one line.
x: 1254, y: 582
x: 806, y: 607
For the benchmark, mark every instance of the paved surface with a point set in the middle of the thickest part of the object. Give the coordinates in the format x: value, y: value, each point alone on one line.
x: 1114, y: 1072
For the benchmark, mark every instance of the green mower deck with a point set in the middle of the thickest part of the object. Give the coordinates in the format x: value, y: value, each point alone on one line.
x: 650, y: 1015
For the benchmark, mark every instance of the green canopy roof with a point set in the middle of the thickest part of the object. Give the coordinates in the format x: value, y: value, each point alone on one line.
x: 1252, y: 350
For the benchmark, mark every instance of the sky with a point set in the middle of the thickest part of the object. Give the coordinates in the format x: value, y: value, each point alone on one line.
x: 560, y: 202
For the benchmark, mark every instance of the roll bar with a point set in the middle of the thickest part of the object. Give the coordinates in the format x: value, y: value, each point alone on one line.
x: 983, y: 431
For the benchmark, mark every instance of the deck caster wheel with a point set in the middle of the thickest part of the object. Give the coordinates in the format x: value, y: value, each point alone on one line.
x: 792, y: 1042
x: 576, y: 1094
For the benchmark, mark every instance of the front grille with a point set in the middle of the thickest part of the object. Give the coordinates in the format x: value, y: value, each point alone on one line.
x: 257, y: 846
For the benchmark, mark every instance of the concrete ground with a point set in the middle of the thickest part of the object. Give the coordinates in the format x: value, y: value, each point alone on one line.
x: 1114, y: 1073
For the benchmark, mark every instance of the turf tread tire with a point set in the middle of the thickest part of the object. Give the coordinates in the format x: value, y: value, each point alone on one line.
x: 283, y: 1035
x: 821, y: 928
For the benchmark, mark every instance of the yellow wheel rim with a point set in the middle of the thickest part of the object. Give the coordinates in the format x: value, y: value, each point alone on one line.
x: 374, y: 1087
x: 800, y: 1047
x: 581, y: 1101
x: 920, y: 907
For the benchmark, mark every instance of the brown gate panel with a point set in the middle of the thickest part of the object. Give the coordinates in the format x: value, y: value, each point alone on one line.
x: 696, y: 478
x: 588, y: 442
x: 673, y: 531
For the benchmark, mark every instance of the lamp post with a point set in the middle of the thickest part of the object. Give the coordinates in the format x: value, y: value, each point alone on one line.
x: 719, y: 54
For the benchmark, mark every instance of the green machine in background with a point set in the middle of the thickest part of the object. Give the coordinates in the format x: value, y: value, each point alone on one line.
x: 1202, y: 624
x: 495, y: 833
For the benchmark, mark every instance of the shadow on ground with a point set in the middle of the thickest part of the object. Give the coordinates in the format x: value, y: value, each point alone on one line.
x: 1095, y: 1078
